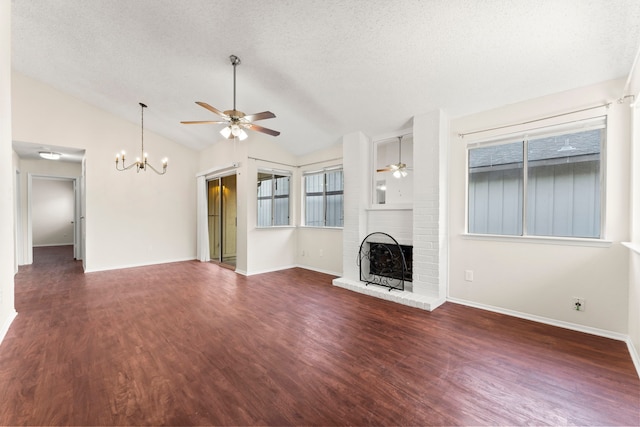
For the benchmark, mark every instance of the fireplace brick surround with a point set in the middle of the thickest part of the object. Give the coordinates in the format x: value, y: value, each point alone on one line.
x: 423, y: 225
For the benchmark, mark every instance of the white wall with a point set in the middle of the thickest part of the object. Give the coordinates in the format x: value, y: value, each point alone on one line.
x: 268, y: 249
x: 52, y: 211
x: 131, y: 218
x: 318, y: 249
x: 540, y: 279
x: 258, y: 250
x: 634, y: 255
x: 7, y: 171
x: 271, y: 248
x: 356, y: 149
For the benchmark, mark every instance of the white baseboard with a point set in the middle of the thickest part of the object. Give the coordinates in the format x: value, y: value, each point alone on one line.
x: 270, y: 270
x: 53, y: 244
x: 545, y: 320
x: 634, y: 355
x: 120, y: 267
x: 7, y: 324
x: 320, y: 270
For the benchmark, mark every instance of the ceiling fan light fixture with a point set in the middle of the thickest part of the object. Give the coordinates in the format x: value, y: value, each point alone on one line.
x: 234, y: 131
x: 242, y: 135
x: 400, y: 173
x: 226, y: 131
x: 49, y: 155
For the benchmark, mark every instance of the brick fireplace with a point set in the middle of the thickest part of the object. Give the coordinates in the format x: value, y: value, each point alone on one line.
x: 422, y: 224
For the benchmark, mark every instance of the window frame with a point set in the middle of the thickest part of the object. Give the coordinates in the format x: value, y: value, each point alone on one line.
x: 563, y: 128
x: 273, y: 196
x: 324, y: 194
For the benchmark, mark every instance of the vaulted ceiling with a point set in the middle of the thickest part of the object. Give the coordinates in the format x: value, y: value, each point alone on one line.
x: 324, y: 67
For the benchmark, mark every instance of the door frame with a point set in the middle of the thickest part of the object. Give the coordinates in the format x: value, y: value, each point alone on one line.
x: 78, y: 240
x: 219, y: 177
x: 17, y: 209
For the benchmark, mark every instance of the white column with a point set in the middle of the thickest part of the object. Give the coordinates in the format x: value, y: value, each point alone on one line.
x: 356, y: 165
x: 7, y: 170
x: 202, y: 226
x: 430, y: 198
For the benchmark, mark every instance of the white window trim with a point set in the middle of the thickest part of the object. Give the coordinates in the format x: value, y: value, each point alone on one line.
x: 278, y: 172
x: 304, y: 195
x: 587, y: 123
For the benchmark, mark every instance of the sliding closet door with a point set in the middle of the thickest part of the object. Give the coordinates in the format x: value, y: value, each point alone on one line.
x: 222, y: 219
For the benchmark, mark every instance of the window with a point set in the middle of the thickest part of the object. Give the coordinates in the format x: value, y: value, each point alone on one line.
x: 273, y: 199
x: 324, y: 199
x: 546, y: 183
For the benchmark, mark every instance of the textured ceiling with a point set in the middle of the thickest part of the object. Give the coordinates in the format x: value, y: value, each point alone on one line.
x: 324, y: 67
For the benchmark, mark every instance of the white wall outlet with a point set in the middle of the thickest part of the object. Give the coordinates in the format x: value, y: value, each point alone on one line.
x: 578, y: 304
x: 468, y: 275
x: 321, y: 252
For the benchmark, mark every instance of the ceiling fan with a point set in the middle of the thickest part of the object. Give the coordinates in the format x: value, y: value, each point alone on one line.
x: 399, y: 170
x: 236, y: 121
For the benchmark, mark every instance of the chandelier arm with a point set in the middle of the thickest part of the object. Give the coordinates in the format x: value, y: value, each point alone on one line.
x: 164, y: 168
x: 125, y: 168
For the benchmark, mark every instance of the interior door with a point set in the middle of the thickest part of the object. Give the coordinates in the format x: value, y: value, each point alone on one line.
x: 229, y: 219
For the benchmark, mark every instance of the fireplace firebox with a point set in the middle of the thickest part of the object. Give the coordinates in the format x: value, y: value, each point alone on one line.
x: 385, y: 262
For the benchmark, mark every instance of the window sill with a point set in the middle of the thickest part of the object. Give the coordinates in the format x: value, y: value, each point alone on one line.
x: 391, y: 207
x: 635, y: 247
x: 321, y: 228
x: 545, y: 240
x: 274, y: 227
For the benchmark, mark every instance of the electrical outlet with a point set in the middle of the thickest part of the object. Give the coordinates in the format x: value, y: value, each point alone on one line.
x: 321, y: 252
x: 468, y: 275
x: 578, y: 304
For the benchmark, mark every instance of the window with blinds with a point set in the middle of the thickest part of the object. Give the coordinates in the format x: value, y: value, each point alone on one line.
x: 547, y: 182
x: 324, y: 198
x: 273, y: 199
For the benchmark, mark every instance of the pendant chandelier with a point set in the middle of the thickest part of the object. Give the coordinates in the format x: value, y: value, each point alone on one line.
x: 141, y: 162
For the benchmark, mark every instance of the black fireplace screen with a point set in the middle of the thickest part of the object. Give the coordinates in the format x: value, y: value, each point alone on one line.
x: 383, y: 261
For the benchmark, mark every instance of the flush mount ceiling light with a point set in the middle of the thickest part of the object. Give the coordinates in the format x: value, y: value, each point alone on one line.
x: 141, y: 162
x: 49, y: 155
x: 235, y: 120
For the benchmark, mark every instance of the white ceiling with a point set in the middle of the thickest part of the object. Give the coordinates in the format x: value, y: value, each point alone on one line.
x: 324, y: 67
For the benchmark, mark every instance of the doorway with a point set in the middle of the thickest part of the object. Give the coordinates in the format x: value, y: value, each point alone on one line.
x: 222, y: 219
x: 53, y: 213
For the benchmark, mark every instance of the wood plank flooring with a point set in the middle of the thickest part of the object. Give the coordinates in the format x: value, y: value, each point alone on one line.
x: 192, y: 343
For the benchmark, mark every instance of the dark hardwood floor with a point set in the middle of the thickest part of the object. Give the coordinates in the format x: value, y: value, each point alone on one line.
x: 192, y: 343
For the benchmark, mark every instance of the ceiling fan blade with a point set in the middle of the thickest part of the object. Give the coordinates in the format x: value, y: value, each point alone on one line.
x: 202, y: 122
x: 262, y: 129
x: 260, y: 116
x: 387, y: 169
x: 212, y: 109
